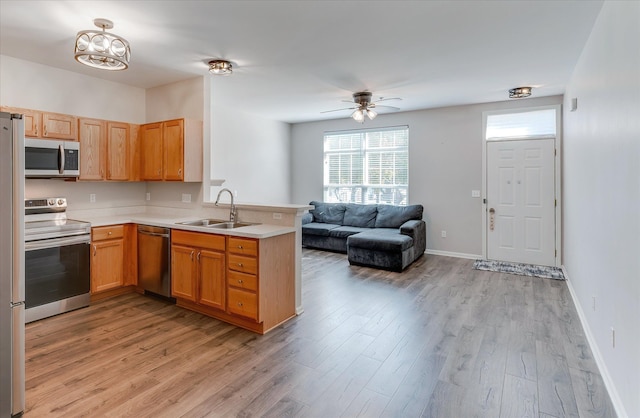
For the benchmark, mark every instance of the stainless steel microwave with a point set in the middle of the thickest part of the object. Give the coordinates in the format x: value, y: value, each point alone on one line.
x: 47, y: 158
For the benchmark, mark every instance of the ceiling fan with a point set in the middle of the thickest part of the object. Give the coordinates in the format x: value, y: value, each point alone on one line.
x: 364, y: 106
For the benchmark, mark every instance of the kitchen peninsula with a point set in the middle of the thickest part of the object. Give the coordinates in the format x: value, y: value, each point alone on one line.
x: 249, y: 276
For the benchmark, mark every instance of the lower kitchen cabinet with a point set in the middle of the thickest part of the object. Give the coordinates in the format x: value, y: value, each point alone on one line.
x: 113, y: 260
x: 243, y: 281
x: 107, y: 258
x: 198, y: 268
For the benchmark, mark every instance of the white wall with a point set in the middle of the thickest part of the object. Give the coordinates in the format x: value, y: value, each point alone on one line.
x: 250, y: 153
x: 602, y: 195
x: 36, y: 86
x: 445, y: 165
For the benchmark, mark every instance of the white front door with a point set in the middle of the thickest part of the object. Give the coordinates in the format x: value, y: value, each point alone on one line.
x: 521, y: 201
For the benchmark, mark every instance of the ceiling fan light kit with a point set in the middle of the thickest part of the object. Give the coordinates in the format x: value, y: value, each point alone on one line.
x: 364, y: 106
x: 101, y: 49
x: 519, y: 92
x: 220, y: 67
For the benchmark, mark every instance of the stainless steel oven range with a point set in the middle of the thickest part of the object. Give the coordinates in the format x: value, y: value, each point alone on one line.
x: 57, y: 254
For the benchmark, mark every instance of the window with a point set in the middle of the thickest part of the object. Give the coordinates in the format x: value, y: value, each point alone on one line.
x: 368, y: 166
x: 526, y: 124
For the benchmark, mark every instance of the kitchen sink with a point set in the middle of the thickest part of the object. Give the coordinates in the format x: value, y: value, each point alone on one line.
x: 230, y: 225
x: 203, y: 222
x: 216, y: 223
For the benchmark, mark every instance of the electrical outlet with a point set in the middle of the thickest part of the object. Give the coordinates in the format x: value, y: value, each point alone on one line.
x: 148, y: 196
x: 92, y: 198
x: 443, y: 234
x: 277, y: 215
x: 186, y: 198
x: 475, y: 193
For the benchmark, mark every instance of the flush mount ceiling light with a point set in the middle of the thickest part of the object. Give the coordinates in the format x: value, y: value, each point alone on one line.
x: 519, y: 92
x: 102, y: 50
x: 220, y: 67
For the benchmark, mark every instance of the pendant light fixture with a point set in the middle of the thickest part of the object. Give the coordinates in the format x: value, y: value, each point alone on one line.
x: 519, y: 92
x: 101, y: 49
x: 220, y: 67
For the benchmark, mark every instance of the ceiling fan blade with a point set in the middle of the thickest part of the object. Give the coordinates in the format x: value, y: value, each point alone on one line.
x: 337, y: 110
x: 382, y: 99
x: 385, y: 106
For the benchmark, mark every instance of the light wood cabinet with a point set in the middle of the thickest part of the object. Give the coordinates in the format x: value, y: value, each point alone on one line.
x: 105, y: 148
x: 32, y: 120
x: 117, y: 160
x: 107, y: 258
x: 258, y: 278
x: 198, y: 268
x: 92, y: 149
x: 47, y: 125
x: 58, y: 126
x: 171, y: 151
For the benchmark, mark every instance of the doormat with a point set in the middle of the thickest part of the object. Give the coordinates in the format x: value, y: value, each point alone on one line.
x: 544, y: 272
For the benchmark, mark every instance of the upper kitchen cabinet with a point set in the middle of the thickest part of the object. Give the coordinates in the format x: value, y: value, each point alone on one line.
x: 105, y: 150
x: 118, y: 151
x: 171, y: 150
x: 47, y: 125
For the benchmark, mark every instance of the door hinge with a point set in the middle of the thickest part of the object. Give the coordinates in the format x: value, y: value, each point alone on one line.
x: 556, y: 253
x: 555, y: 151
x: 555, y: 202
x: 484, y: 201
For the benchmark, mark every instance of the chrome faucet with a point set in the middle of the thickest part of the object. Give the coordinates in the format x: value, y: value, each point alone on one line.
x: 232, y: 211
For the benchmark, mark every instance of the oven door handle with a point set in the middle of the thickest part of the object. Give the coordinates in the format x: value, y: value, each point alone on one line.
x: 56, y: 242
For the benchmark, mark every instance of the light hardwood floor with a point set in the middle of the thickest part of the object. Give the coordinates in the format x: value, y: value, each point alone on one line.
x: 439, y: 340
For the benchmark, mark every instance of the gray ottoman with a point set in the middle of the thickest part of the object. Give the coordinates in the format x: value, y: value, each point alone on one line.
x: 386, y: 249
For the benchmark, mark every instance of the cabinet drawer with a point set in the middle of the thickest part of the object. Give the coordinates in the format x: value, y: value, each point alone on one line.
x: 242, y: 280
x: 243, y: 303
x: 243, y: 246
x: 243, y: 264
x: 107, y: 232
x: 198, y: 239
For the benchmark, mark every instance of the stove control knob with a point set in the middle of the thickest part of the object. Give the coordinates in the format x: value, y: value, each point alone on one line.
x: 51, y: 202
x: 60, y: 202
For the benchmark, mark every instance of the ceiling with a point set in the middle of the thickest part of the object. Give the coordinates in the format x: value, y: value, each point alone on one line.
x: 295, y: 59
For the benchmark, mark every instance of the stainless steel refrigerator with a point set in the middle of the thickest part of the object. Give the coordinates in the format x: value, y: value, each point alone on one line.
x: 12, y: 307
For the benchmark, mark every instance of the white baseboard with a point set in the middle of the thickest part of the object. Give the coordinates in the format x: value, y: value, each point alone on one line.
x: 602, y: 367
x: 452, y: 254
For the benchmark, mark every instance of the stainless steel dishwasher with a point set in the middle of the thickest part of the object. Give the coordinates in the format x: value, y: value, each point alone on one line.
x: 154, y: 254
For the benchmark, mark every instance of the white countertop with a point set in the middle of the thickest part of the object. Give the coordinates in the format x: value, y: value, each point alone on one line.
x: 258, y: 231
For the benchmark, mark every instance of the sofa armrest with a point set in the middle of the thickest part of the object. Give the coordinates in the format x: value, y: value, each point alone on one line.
x: 416, y: 229
x: 307, y: 218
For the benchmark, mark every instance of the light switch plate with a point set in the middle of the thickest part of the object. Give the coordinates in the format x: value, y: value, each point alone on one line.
x: 186, y: 198
x: 475, y: 193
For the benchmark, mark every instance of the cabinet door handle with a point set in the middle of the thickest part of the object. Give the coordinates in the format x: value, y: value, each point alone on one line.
x: 110, y: 232
x: 94, y: 250
x: 36, y: 130
x: 179, y: 171
x: 240, y: 304
x: 240, y: 281
x: 240, y: 264
x: 45, y: 130
x: 191, y: 255
x: 240, y: 247
x: 198, y: 255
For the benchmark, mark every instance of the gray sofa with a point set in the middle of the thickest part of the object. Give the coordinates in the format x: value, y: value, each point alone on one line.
x: 381, y: 236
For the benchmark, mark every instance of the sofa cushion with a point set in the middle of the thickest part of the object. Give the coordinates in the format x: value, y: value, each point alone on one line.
x: 330, y: 213
x: 318, y: 228
x: 381, y: 240
x: 390, y: 216
x: 363, y: 216
x: 346, y: 231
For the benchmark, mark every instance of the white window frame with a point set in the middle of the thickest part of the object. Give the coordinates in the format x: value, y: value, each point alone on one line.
x: 365, y: 155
